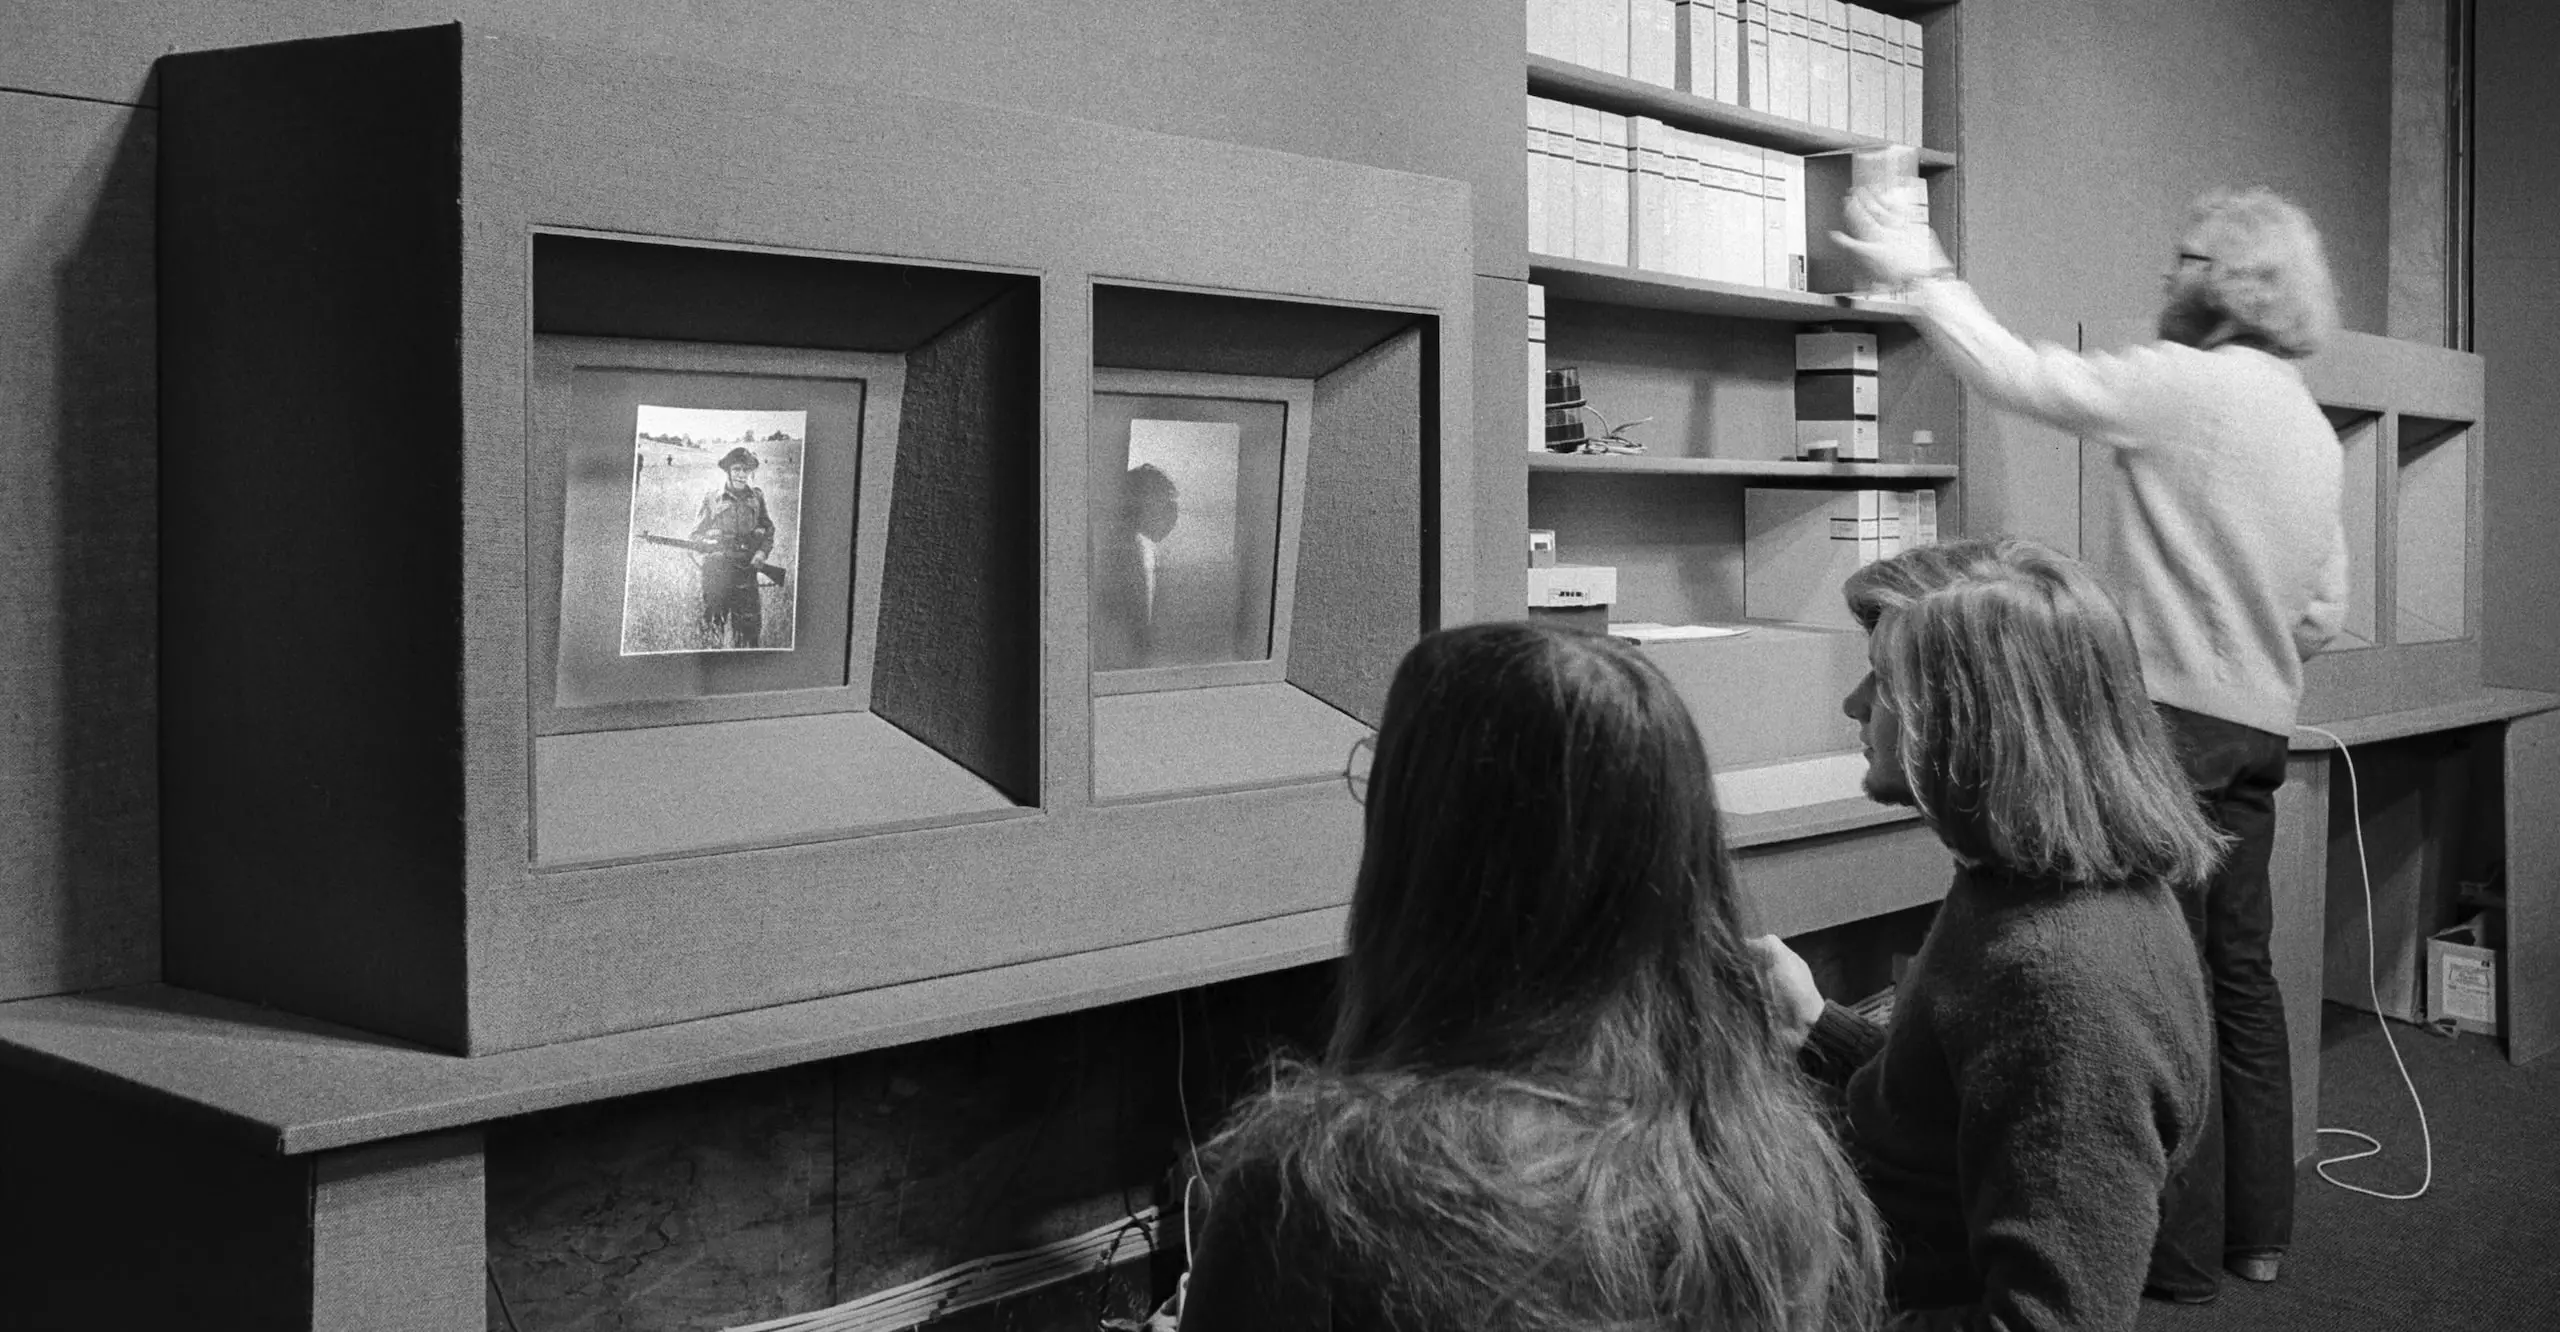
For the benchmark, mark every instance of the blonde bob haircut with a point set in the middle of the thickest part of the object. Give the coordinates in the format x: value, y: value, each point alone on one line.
x: 2266, y: 280
x: 2027, y: 737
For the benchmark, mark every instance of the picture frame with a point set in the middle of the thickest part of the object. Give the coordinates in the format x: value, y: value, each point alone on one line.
x: 594, y: 572
x: 1206, y: 600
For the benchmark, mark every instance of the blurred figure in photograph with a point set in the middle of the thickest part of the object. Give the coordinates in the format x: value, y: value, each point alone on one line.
x: 734, y: 531
x: 2228, y: 554
x: 1555, y: 1098
x: 2048, y: 1063
x: 1129, y: 573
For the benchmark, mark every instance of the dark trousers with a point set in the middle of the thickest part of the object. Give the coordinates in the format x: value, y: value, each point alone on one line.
x: 730, y: 598
x: 2234, y: 1196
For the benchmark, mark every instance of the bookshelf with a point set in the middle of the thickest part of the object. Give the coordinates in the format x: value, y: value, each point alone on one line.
x: 1782, y: 470
x: 1705, y: 368
x: 1617, y: 284
x: 1568, y: 82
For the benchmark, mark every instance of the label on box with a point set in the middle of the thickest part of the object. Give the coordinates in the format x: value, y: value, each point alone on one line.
x: 2470, y: 988
x: 1562, y: 585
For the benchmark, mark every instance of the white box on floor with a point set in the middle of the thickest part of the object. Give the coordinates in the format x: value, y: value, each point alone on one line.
x: 2462, y: 976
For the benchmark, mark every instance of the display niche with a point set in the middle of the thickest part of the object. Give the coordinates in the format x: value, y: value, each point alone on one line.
x: 1259, y: 494
x: 783, y: 526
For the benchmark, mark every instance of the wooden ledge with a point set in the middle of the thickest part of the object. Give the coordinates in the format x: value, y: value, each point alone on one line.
x: 293, y: 1085
x: 2489, y: 705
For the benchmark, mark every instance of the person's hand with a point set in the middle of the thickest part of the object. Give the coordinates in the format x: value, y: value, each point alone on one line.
x: 1889, y: 239
x: 1795, y: 1002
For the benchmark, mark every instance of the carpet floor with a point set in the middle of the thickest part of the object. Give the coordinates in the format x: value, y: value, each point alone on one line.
x: 2479, y: 1252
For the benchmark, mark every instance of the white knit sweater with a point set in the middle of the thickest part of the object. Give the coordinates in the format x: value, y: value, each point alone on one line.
x: 2226, y: 551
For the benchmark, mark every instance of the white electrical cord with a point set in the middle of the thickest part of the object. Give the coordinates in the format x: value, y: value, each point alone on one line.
x: 2373, y: 989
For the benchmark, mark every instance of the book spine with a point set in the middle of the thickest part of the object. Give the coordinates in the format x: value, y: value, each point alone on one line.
x: 1702, y: 208
x: 1617, y: 166
x: 1563, y: 178
x: 1894, y: 65
x: 1791, y: 172
x: 1755, y: 55
x: 1537, y: 399
x: 1653, y: 42
x: 1534, y: 177
x: 1729, y: 52
x: 1693, y: 48
x: 1799, y: 78
x: 1749, y: 227
x: 1774, y: 268
x: 1865, y: 74
x: 1650, y: 202
x: 1836, y: 12
x: 1564, y: 30
x: 1914, y: 79
x: 1585, y: 180
x: 1820, y: 74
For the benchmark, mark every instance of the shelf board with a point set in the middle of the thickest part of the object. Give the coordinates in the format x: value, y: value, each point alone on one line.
x: 1565, y: 81
x: 1616, y: 284
x: 1639, y: 464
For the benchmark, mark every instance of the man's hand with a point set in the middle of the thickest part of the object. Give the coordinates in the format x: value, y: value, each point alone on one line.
x: 1794, y: 1001
x: 1890, y: 241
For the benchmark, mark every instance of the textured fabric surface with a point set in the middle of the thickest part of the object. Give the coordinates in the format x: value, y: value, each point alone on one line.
x: 2047, y: 1065
x: 2474, y: 1253
x: 2226, y: 549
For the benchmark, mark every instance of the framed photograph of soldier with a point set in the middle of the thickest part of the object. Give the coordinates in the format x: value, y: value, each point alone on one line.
x: 1197, y: 484
x: 712, y: 517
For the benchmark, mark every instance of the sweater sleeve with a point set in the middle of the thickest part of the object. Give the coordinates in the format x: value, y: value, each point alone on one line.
x: 2060, y: 1152
x: 2325, y: 612
x: 1839, y: 1043
x: 1245, y: 1275
x: 2098, y: 396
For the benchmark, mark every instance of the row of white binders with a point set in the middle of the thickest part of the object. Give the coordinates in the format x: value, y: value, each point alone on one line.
x: 1824, y: 63
x: 1612, y: 189
x: 1800, y: 545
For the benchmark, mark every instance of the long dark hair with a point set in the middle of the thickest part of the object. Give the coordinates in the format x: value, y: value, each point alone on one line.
x: 1554, y: 1095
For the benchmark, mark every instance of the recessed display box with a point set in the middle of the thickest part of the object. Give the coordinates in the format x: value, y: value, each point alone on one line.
x: 625, y: 530
x: 2360, y: 514
x: 2432, y: 529
x: 2408, y: 417
x: 1257, y: 496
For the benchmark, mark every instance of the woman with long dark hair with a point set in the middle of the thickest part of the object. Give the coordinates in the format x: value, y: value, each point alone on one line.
x: 1554, y: 1097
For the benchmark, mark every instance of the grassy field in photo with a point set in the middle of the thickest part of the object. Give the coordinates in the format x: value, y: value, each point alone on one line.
x: 662, y: 588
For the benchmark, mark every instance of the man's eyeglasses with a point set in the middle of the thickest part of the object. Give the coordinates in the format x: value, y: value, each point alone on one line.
x: 1355, y: 769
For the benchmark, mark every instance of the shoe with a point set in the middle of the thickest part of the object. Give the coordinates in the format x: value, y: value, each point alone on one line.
x: 2258, y: 1267
x: 2180, y: 1294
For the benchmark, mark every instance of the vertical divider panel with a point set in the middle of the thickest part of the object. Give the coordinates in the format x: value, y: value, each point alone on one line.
x: 959, y: 600
x: 1365, y: 485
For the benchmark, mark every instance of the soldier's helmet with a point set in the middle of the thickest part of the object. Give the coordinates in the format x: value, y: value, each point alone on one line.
x: 738, y: 457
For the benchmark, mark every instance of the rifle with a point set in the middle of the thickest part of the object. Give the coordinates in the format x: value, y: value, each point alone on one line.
x: 776, y: 572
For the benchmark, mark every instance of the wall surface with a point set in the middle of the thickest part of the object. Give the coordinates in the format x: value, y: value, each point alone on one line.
x: 2088, y: 128
x: 1425, y: 89
x: 2515, y: 276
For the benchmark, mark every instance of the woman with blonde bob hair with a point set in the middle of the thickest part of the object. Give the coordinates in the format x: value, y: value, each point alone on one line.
x: 1555, y: 1098
x: 2049, y: 1058
x: 2225, y: 547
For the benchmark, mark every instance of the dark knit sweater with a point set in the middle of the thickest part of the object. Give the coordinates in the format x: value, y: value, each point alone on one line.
x: 2046, y: 1066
